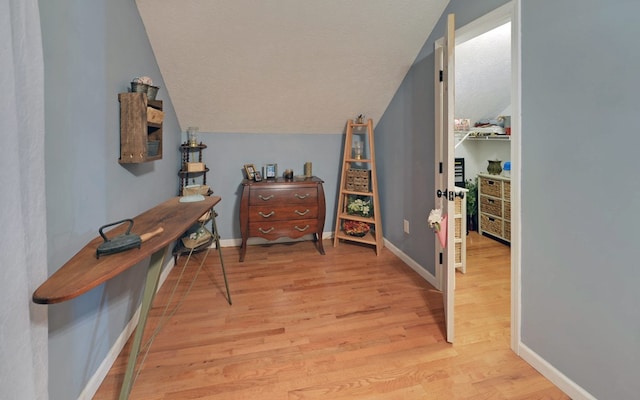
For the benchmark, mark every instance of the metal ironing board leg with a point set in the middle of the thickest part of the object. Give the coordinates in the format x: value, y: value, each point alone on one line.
x: 216, y: 237
x: 150, y: 287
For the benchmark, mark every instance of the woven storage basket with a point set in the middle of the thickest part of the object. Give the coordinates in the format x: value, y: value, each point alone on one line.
x: 358, y: 179
x: 491, y: 187
x: 507, y: 190
x: 491, y: 225
x: 491, y: 206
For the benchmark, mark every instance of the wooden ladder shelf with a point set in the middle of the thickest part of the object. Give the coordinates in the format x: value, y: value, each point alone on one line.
x: 359, y: 181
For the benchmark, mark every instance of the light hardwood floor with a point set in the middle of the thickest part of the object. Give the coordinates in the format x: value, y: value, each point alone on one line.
x: 347, y: 325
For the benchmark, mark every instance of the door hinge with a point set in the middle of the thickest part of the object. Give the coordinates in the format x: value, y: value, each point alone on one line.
x: 440, y: 167
x: 441, y: 258
x: 441, y: 75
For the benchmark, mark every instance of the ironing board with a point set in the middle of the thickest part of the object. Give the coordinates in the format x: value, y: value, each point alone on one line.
x: 84, y: 271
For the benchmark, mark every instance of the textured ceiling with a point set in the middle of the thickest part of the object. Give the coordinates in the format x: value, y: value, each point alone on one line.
x: 284, y: 66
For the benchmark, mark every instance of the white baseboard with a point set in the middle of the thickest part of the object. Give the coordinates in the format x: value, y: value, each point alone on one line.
x: 414, y: 265
x: 96, y: 380
x: 569, y: 387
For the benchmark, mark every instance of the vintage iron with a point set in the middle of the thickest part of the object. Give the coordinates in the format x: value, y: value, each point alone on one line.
x: 123, y: 241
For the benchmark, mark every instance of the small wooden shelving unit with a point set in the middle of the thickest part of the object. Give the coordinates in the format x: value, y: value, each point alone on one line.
x: 140, y: 128
x: 193, y: 154
x: 189, y: 155
x: 363, y: 133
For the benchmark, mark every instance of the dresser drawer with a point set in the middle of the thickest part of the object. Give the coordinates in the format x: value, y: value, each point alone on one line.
x: 293, y: 195
x: 491, y: 206
x: 282, y: 212
x: 271, y: 230
x: 491, y: 225
x: 491, y: 187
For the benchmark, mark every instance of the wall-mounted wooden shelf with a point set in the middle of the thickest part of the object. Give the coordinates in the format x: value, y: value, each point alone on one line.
x: 140, y: 128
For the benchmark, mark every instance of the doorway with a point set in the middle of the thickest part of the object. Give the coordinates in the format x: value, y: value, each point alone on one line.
x: 504, y: 18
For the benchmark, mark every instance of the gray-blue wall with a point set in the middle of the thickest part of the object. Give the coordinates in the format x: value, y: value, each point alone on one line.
x: 580, y: 257
x: 91, y: 51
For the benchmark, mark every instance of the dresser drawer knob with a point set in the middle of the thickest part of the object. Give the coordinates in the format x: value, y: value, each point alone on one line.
x: 265, y: 198
x: 302, y: 196
x: 263, y: 215
x: 301, y: 229
x: 301, y: 213
x: 266, y: 230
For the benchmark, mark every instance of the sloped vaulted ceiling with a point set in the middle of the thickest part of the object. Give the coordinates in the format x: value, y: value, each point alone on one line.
x: 284, y: 66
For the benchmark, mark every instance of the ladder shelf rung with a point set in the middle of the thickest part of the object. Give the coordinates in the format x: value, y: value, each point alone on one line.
x: 369, y: 220
x: 355, y: 192
x: 369, y: 238
x: 361, y: 160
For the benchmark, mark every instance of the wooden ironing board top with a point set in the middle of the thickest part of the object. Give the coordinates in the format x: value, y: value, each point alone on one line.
x: 84, y: 271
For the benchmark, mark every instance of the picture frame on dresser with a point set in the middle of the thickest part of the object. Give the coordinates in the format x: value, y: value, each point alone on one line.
x: 250, y: 170
x: 270, y: 171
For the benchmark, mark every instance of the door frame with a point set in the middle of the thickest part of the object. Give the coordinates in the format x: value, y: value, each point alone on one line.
x: 505, y: 13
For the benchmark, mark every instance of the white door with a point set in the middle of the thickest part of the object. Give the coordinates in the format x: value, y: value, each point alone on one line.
x: 444, y: 171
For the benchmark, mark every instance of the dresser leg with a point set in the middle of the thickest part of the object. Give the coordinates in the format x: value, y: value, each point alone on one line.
x: 318, y: 237
x: 243, y: 249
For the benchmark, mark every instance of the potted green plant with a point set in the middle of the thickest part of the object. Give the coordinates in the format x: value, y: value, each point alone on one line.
x: 472, y: 204
x: 359, y: 205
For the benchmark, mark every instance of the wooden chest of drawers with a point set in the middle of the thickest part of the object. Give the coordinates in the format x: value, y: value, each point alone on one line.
x: 282, y: 208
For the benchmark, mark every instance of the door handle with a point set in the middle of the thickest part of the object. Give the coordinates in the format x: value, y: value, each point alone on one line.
x: 449, y: 194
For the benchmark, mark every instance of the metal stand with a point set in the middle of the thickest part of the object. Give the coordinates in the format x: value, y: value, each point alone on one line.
x: 153, y: 276
x: 216, y: 239
x: 150, y: 288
